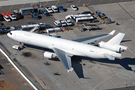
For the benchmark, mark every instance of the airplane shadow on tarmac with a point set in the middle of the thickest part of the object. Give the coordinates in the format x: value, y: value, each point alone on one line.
x: 123, y: 62
x: 76, y: 62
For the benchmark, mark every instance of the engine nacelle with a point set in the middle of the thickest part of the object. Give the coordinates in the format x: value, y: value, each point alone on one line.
x: 49, y: 55
x: 113, y: 47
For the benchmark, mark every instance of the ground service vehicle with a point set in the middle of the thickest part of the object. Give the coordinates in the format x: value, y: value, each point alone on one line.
x: 53, y: 30
x: 12, y: 16
x: 13, y: 28
x: 57, y: 23
x: 77, y: 16
x: 45, y: 12
x: 35, y: 15
x: 28, y: 10
x: 60, y: 8
x: 40, y: 11
x: 6, y: 18
x: 4, y: 30
x: 54, y: 8
x: 18, y: 15
x: 69, y: 22
x: 74, y: 7
x: 63, y: 23
x: 84, y: 19
x: 49, y: 9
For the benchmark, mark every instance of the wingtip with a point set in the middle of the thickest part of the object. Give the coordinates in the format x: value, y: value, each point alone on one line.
x: 112, y: 32
x: 71, y: 69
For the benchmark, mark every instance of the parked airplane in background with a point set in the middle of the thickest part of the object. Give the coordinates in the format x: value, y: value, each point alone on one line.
x: 65, y: 49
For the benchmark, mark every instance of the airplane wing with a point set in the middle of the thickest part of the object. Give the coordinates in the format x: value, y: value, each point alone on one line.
x: 64, y: 57
x: 94, y: 38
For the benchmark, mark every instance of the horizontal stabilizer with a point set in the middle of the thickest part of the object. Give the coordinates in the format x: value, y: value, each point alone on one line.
x: 110, y: 57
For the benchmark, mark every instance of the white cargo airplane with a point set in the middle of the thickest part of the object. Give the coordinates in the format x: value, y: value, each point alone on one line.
x: 65, y: 49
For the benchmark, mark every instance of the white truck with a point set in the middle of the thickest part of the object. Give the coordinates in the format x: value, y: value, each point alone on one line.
x: 54, y: 8
x: 16, y: 47
x: 77, y: 16
x: 53, y: 30
x: 80, y: 18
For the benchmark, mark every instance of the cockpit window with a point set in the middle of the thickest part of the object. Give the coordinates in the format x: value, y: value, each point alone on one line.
x: 10, y: 33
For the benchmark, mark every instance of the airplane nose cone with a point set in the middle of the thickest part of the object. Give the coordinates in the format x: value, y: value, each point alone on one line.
x: 9, y: 34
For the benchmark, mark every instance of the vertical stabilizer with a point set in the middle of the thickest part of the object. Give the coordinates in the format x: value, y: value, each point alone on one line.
x: 114, y: 44
x: 117, y: 39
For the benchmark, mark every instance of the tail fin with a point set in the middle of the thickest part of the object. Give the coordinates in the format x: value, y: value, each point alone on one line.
x: 114, y: 43
x: 117, y: 39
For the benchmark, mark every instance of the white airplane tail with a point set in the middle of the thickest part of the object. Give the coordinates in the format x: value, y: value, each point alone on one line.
x: 117, y: 39
x: 113, y: 44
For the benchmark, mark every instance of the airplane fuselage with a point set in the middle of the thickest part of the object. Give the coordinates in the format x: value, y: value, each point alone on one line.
x: 71, y: 47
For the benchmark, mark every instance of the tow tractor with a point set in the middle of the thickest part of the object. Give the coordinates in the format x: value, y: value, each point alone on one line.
x: 45, y: 12
x: 34, y: 15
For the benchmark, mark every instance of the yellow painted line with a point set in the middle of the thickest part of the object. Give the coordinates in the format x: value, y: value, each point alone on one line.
x: 100, y: 1
x: 89, y: 2
x: 0, y: 7
x: 107, y: 27
x: 28, y: 49
x: 23, y: 58
x: 57, y: 2
x: 66, y: 4
x: 23, y: 6
x: 46, y: 3
x: 110, y: 1
x: 10, y: 8
x: 107, y: 77
x: 78, y: 2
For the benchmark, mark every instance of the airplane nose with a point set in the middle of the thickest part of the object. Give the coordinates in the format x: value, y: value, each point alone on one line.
x: 9, y: 34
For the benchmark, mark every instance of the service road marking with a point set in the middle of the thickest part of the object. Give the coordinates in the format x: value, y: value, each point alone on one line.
x: 78, y: 2
x: 23, y: 6
x: 67, y: 3
x: 110, y: 1
x: 100, y: 1
x: 57, y: 2
x: 107, y: 79
x: 46, y: 3
x: 89, y: 2
x: 0, y: 7
x: 10, y: 8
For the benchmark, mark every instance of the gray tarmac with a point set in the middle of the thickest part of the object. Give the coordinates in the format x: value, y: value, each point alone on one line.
x: 88, y: 74
x: 9, y: 74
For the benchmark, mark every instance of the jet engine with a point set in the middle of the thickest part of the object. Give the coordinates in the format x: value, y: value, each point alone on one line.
x: 113, y: 47
x: 49, y: 55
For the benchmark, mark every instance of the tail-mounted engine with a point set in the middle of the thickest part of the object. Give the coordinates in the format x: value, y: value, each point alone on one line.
x: 113, y: 47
